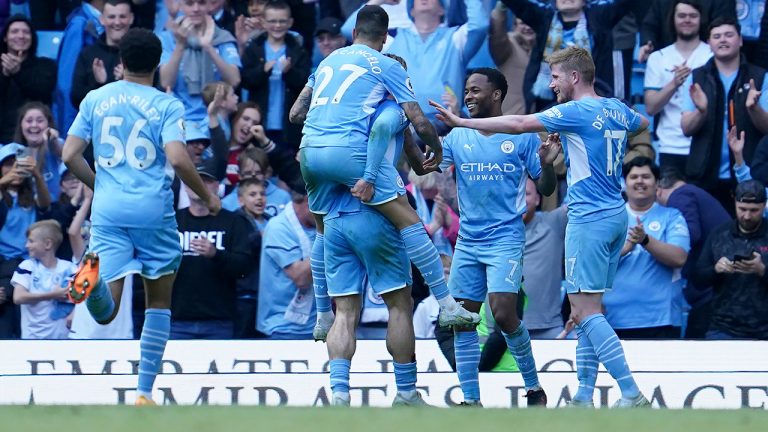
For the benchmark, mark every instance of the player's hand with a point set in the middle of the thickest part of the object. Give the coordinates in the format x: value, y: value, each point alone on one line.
x: 117, y: 71
x: 681, y: 74
x: 432, y: 159
x: 753, y: 96
x: 754, y: 265
x: 99, y: 71
x: 549, y: 149
x: 644, y: 52
x: 699, y: 98
x: 445, y: 115
x: 736, y: 141
x: 213, y: 204
x: 362, y: 190
x: 202, y: 247
x: 724, y: 265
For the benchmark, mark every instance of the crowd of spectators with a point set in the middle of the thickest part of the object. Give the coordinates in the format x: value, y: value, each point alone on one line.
x: 696, y: 252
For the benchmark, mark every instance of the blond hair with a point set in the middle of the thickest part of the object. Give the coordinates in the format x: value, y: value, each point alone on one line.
x: 576, y: 59
x: 50, y: 230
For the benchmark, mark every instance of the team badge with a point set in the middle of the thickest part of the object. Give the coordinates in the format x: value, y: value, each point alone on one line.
x: 507, y: 146
x: 399, y: 182
x: 654, y: 226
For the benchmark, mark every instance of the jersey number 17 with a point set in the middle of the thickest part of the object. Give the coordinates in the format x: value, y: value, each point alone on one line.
x: 614, y: 140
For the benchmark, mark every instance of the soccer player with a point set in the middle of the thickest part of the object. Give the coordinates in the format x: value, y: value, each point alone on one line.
x: 491, y: 177
x: 594, y: 134
x: 136, y: 132
x: 337, y: 103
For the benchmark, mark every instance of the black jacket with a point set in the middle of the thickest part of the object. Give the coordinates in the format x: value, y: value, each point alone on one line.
x: 257, y: 81
x: 34, y: 81
x: 703, y: 165
x: 205, y: 288
x: 83, y: 80
x: 740, y: 304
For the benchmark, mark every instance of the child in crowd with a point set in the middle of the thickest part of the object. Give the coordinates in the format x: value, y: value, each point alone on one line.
x: 39, y: 285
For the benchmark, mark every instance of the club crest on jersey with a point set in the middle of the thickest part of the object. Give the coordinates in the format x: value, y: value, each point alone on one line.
x: 408, y: 84
x: 654, y: 226
x: 507, y: 146
x: 399, y: 182
x: 182, y: 129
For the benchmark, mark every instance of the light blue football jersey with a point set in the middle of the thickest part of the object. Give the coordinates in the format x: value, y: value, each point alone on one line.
x: 129, y: 125
x: 392, y: 113
x: 594, y: 136
x: 491, y: 172
x: 347, y: 87
x: 646, y: 293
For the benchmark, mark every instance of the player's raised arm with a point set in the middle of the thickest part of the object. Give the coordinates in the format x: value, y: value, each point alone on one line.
x: 72, y: 155
x: 300, y: 108
x: 427, y: 133
x: 512, y: 124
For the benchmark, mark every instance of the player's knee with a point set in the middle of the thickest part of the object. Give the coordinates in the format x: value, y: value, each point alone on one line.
x: 399, y: 301
x: 507, y: 320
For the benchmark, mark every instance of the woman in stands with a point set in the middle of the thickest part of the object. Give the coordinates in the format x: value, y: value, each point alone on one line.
x: 24, y: 77
x: 35, y: 129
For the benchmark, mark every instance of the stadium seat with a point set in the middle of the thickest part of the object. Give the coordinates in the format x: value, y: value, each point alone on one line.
x: 48, y: 44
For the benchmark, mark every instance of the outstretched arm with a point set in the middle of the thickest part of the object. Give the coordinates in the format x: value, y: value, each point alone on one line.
x: 513, y: 124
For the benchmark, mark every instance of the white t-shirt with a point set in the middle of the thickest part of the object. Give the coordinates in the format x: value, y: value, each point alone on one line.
x: 85, y: 327
x: 658, y: 73
x: 36, y: 319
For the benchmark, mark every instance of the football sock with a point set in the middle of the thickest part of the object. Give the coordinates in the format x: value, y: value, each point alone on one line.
x: 610, y: 353
x: 100, y: 302
x: 586, y: 367
x: 467, y: 350
x: 317, y: 263
x: 519, y: 345
x: 340, y: 375
x: 423, y: 254
x: 154, y: 336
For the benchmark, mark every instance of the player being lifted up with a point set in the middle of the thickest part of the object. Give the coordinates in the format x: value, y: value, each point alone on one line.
x: 336, y: 107
x: 136, y: 132
x: 594, y: 133
x: 494, y: 168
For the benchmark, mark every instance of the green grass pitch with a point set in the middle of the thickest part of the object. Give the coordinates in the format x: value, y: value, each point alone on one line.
x: 250, y: 419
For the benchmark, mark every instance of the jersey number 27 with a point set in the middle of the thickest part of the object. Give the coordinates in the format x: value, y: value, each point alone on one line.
x: 326, y: 72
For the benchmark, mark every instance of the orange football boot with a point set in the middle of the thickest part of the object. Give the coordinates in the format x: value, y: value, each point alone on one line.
x: 85, y: 279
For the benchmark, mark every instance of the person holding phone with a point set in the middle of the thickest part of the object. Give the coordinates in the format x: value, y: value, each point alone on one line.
x: 734, y: 261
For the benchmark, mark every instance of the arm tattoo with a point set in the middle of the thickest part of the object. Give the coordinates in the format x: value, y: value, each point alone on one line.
x: 420, y: 123
x: 300, y: 108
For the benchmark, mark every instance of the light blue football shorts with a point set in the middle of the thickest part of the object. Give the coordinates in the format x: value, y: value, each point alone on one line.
x: 364, y: 242
x: 331, y: 171
x: 152, y: 253
x: 482, y: 267
x: 592, y: 252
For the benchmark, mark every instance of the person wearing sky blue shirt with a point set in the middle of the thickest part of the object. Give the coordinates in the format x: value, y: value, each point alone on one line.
x: 137, y: 134
x: 286, y: 301
x: 436, y: 55
x: 196, y: 52
x: 594, y: 133
x: 646, y: 301
x: 491, y: 173
x: 727, y: 92
x: 337, y: 104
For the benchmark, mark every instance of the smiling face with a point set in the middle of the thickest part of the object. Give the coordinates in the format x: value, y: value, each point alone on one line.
x: 116, y: 19
x: 33, y: 127
x: 641, y: 186
x: 37, y: 244
x: 277, y: 21
x: 241, y: 129
x: 329, y: 43
x: 562, y: 83
x: 687, y: 21
x: 725, y: 42
x: 195, y: 11
x: 19, y: 37
x: 480, y: 96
